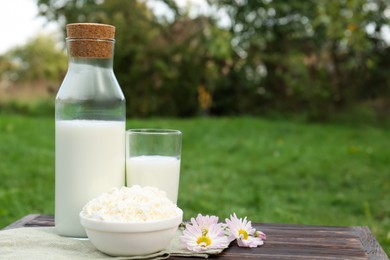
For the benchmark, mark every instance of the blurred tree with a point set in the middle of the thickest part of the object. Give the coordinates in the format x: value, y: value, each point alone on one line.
x: 307, y: 55
x: 195, y: 55
x: 160, y: 65
x: 304, y: 55
x: 7, y: 69
x: 38, y: 60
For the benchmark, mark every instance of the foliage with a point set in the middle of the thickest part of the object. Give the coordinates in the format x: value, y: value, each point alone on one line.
x: 38, y: 60
x: 160, y: 65
x: 311, y: 55
x: 306, y: 56
x: 271, y: 171
x: 37, y: 108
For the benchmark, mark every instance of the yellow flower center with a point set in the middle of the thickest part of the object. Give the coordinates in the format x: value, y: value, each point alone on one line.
x: 203, y: 241
x: 243, y: 234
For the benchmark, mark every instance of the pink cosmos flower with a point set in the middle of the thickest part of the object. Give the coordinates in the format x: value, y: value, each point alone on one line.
x: 242, y: 230
x: 198, y: 239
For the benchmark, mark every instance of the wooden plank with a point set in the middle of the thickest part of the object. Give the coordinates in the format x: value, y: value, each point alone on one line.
x: 369, y: 243
x: 41, y: 221
x: 23, y: 221
x: 284, y: 241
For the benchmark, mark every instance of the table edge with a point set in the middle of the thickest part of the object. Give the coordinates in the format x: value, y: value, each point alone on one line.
x: 368, y: 241
x: 22, y: 222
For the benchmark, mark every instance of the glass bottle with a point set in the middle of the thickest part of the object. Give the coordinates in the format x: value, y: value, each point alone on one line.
x: 90, y: 115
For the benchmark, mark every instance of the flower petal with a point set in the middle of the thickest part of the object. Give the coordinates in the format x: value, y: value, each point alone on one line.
x: 250, y: 242
x: 260, y: 235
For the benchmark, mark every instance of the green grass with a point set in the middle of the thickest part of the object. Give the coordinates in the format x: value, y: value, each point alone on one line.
x: 270, y: 171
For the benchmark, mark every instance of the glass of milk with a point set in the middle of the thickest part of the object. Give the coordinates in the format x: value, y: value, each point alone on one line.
x: 153, y: 159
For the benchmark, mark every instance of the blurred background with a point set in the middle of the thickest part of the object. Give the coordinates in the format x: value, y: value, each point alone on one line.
x: 284, y: 105
x: 314, y: 59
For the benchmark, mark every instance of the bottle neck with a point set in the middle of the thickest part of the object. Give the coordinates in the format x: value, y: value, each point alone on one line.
x: 98, y: 62
x: 95, y: 52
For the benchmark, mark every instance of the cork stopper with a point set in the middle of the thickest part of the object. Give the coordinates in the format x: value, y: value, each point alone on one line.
x: 90, y: 40
x: 90, y: 31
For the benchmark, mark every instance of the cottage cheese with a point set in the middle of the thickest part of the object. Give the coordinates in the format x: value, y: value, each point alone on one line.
x: 131, y: 205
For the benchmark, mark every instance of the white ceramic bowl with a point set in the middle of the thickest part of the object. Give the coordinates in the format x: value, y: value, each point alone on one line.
x: 133, y: 238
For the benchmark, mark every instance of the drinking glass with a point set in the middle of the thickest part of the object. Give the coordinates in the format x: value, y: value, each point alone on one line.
x: 153, y: 159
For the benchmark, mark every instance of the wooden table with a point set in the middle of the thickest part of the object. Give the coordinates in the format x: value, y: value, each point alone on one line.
x: 284, y: 241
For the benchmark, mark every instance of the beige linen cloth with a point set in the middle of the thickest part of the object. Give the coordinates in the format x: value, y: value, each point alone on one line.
x: 44, y: 243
